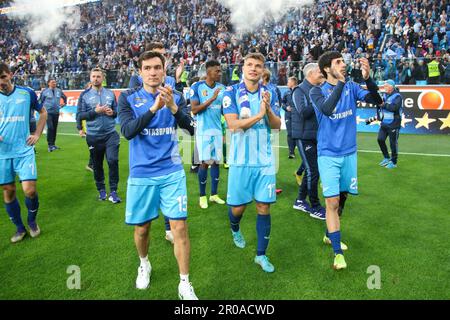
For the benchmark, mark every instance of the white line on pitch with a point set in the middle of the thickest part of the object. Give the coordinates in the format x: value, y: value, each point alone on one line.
x: 362, y: 151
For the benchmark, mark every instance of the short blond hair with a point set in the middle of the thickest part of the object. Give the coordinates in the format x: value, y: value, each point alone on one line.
x: 267, y: 75
x: 256, y: 56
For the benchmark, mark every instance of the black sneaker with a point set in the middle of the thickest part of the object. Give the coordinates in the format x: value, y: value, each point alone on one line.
x: 194, y: 169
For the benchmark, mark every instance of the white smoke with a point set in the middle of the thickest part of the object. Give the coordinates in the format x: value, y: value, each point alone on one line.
x: 248, y: 15
x: 44, y: 18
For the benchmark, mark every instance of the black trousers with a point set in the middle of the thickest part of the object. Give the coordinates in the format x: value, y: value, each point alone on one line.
x: 100, y: 147
x: 52, y: 127
x: 393, y: 134
x: 308, y: 152
x: 290, y: 140
x: 291, y: 145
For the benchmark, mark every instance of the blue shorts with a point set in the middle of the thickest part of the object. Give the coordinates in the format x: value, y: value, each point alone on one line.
x: 145, y: 196
x: 248, y: 183
x: 338, y: 174
x: 24, y: 167
x: 209, y: 147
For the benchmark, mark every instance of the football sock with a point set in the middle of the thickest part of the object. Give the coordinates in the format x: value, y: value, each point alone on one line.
x: 335, y: 238
x: 184, y: 278
x: 13, y: 210
x: 224, y: 152
x: 167, y: 223
x: 32, y: 206
x: 202, y: 178
x: 214, y: 178
x: 263, y: 231
x: 144, y: 261
x: 234, y: 221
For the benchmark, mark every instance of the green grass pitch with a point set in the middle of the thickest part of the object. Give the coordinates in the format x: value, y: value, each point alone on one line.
x: 399, y: 222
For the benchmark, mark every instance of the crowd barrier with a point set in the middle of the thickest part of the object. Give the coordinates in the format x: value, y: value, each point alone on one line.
x: 426, y: 109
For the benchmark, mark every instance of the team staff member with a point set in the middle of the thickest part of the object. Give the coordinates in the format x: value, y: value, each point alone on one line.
x: 98, y: 106
x: 50, y: 99
x: 390, y: 124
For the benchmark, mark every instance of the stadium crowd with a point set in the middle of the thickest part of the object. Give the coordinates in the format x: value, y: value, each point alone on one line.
x: 404, y: 40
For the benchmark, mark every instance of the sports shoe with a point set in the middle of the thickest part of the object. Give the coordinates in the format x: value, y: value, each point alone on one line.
x: 339, y: 262
x: 278, y: 191
x: 89, y: 168
x: 302, y: 205
x: 18, y: 236
x: 203, y: 202
x: 143, y: 278
x: 384, y: 162
x: 169, y: 236
x: 114, y: 198
x: 186, y: 291
x: 226, y: 166
x: 298, y: 178
x: 56, y: 148
x: 50, y: 149
x: 327, y: 240
x: 238, y: 239
x: 194, y: 169
x: 215, y: 198
x: 391, y: 165
x: 102, y: 195
x: 35, y: 231
x: 265, y: 264
x: 291, y: 156
x: 318, y: 213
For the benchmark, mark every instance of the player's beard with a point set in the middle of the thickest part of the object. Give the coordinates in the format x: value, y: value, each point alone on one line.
x: 6, y: 88
x: 337, y: 73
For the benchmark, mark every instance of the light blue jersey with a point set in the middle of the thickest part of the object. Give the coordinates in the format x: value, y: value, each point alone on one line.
x: 208, y: 121
x: 336, y: 136
x: 15, y: 110
x: 252, y: 147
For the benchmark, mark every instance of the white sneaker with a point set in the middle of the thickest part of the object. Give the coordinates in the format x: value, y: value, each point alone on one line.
x: 169, y: 236
x: 143, y: 278
x: 186, y: 291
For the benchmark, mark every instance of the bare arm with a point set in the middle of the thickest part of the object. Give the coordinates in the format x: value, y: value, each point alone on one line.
x: 197, y: 108
x: 236, y: 124
x: 33, y: 139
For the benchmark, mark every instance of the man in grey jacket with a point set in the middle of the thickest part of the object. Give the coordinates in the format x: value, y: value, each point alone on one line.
x: 50, y: 98
x: 98, y: 106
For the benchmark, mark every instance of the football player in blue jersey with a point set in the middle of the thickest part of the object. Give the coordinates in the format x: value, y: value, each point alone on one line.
x: 17, y: 155
x: 250, y: 112
x: 335, y: 103
x: 149, y: 116
x: 206, y: 104
x: 170, y: 82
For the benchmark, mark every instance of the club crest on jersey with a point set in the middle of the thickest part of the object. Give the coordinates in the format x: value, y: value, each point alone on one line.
x: 205, y: 93
x: 226, y: 102
x: 243, y: 99
x: 139, y: 102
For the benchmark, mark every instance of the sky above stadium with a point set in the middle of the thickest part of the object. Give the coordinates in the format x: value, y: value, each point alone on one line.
x: 249, y: 15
